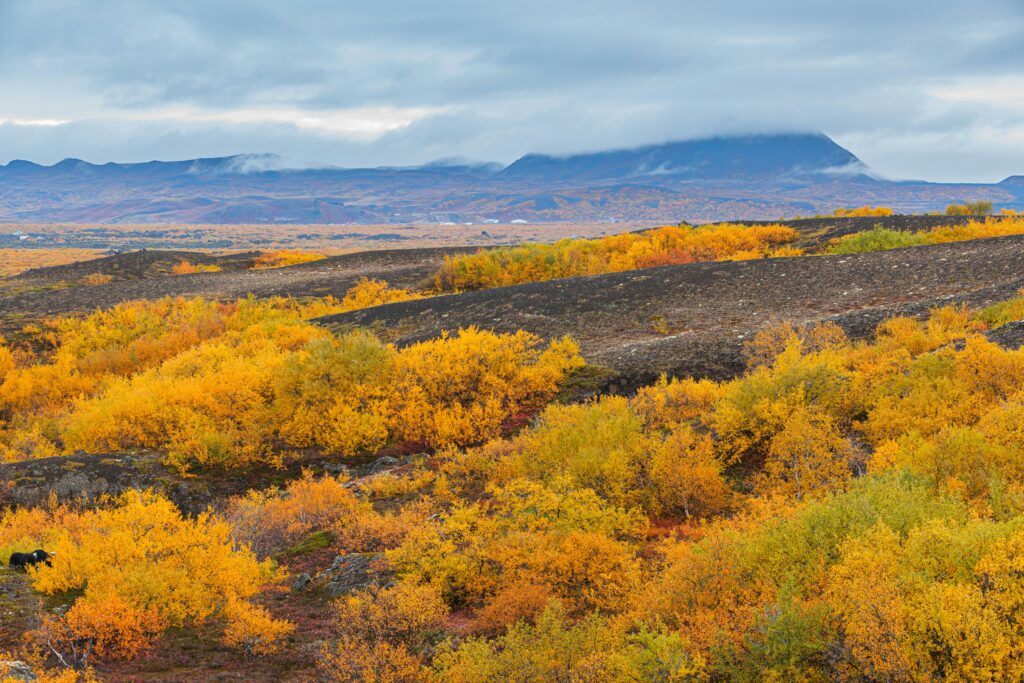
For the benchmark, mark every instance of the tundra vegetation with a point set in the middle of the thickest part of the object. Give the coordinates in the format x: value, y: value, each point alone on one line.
x: 846, y: 510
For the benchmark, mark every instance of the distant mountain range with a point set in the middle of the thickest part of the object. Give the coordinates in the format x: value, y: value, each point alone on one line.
x: 751, y: 177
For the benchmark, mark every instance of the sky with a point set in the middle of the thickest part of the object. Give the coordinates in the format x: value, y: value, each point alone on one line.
x: 924, y: 89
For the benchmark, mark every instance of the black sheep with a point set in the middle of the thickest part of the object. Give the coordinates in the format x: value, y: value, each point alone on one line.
x: 25, y: 560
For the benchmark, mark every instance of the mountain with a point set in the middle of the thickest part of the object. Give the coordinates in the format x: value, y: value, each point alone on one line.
x: 741, y: 157
x: 741, y: 177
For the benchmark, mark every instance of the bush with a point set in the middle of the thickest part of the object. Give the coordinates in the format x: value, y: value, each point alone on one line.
x: 285, y: 257
x: 142, y: 568
x: 272, y: 519
x: 229, y: 384
x: 876, y: 239
x: 367, y: 293
x: 981, y: 207
x: 567, y: 258
x: 188, y: 268
x: 863, y: 211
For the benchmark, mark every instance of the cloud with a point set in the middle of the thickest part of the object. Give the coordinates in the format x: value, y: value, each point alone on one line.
x: 31, y: 122
x: 403, y: 81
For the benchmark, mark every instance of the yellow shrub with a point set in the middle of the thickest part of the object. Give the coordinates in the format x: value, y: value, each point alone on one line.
x: 97, y: 279
x: 864, y: 211
x: 271, y: 519
x: 459, y: 390
x: 143, y: 568
x: 600, y: 446
x: 188, y: 268
x: 667, y: 404
x: 569, y: 541
x: 284, y: 257
x: 572, y: 257
x: 686, y: 477
x: 367, y: 293
x: 223, y: 384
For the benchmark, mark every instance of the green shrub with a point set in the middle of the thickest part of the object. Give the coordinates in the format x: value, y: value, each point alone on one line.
x: 876, y: 239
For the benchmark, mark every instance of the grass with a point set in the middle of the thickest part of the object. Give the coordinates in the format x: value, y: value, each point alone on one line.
x: 318, y: 540
x: 881, y: 239
x: 14, y: 261
x: 876, y: 239
x: 1002, y: 313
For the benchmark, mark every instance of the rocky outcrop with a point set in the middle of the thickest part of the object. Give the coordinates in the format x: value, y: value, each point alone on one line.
x: 17, y: 670
x: 353, y: 572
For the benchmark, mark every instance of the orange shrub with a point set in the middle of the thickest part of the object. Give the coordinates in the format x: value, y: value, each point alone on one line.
x: 366, y: 293
x: 97, y: 279
x: 142, y: 568
x: 573, y: 257
x: 273, y: 519
x: 188, y: 268
x: 863, y: 211
x: 285, y: 257
x: 224, y: 384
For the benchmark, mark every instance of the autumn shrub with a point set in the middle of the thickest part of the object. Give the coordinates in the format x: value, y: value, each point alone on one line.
x: 863, y: 211
x: 188, y: 268
x: 367, y: 293
x: 686, y: 477
x: 757, y: 408
x: 772, y: 340
x: 93, y: 279
x: 459, y: 390
x: 271, y: 519
x: 42, y: 671
x: 606, y: 446
x: 876, y: 239
x: 569, y: 541
x: 668, y: 403
x: 141, y: 568
x: 383, y: 633
x: 600, y: 446
x: 981, y: 207
x: 741, y: 570
x: 1002, y: 313
x: 285, y: 257
x: 557, y: 647
x: 573, y: 257
x: 947, y: 388
x: 879, y: 239
x: 940, y: 602
x: 229, y: 384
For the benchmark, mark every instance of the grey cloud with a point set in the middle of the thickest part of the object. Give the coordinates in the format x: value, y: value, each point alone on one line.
x: 514, y: 77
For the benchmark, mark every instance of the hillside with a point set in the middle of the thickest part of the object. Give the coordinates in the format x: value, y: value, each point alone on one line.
x: 710, y: 310
x: 240, y: 487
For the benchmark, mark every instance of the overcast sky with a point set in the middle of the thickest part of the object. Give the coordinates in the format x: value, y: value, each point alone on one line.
x: 930, y: 89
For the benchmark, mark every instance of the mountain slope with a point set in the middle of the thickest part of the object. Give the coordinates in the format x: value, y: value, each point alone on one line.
x: 756, y: 156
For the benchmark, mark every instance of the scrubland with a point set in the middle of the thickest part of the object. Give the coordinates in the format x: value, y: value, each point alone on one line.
x: 842, y: 509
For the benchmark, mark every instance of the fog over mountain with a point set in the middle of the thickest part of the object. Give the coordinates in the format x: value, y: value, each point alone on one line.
x: 753, y: 177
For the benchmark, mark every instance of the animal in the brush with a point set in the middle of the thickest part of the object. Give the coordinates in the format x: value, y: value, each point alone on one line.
x: 25, y: 560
